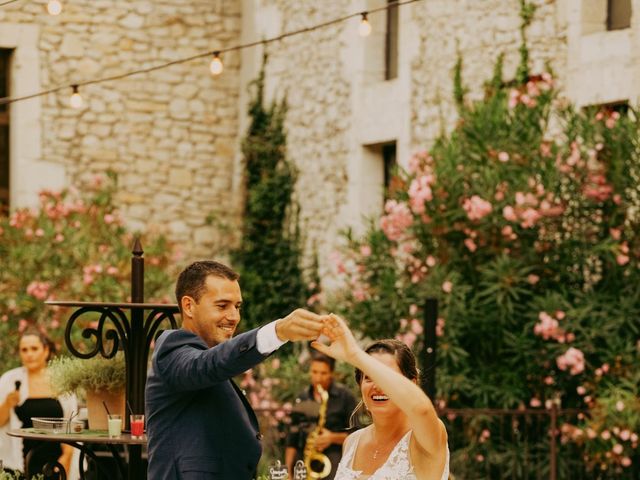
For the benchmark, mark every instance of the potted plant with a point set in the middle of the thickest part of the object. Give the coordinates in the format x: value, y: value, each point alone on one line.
x: 97, y: 379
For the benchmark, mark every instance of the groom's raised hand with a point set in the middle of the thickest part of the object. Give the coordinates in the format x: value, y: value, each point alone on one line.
x: 299, y: 325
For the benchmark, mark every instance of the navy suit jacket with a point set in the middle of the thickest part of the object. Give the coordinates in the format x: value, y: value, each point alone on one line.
x: 199, y: 424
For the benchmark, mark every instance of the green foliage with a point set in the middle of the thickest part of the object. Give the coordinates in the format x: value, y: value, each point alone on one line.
x: 459, y: 89
x: 527, y: 234
x: 68, y: 375
x: 269, y: 257
x: 73, y: 246
x: 9, y: 476
x: 527, y: 10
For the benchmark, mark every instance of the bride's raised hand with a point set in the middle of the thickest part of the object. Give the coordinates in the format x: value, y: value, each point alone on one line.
x: 342, y: 345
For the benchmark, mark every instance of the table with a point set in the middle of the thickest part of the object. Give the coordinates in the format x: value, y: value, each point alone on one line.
x: 82, y: 440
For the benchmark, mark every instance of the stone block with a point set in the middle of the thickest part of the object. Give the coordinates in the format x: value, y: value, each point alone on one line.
x: 181, y: 178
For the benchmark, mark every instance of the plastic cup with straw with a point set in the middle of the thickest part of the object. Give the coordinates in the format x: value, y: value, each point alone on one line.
x: 114, y: 422
x: 136, y: 421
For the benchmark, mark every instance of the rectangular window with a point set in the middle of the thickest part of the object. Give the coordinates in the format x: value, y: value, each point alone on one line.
x: 391, y: 41
x: 618, y: 14
x: 389, y: 162
x: 621, y: 106
x: 5, y: 63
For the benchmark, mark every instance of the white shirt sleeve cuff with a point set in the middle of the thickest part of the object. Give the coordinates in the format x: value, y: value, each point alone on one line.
x: 266, y: 340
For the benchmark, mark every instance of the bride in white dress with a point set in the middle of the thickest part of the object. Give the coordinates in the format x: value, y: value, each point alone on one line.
x: 407, y: 440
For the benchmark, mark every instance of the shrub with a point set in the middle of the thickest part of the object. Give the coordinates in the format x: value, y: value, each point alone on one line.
x: 524, y: 223
x: 73, y: 246
x: 68, y: 375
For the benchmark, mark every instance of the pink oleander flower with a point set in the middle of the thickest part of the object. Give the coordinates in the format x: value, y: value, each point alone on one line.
x: 440, y: 327
x: 409, y: 338
x: 581, y: 390
x: 447, y: 286
x: 503, y: 157
x: 548, y: 326
x: 625, y: 461
x: 572, y: 359
x: 420, y: 192
x: 360, y: 294
x: 509, y: 214
x: 533, y: 278
x: 514, y: 97
x: 619, y: 405
x: 535, y: 402
x: 397, y: 220
x: 419, y: 161
x: 470, y: 244
x: 596, y: 187
x: 476, y: 207
x: 530, y: 216
x: 365, y: 250
x: 416, y: 327
x: 39, y: 290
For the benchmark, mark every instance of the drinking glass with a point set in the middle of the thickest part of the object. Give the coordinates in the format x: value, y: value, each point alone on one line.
x: 115, y: 425
x: 137, y: 425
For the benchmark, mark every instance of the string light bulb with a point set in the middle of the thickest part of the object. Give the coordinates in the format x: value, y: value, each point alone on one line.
x: 365, y: 27
x: 54, y: 7
x: 216, y: 66
x: 76, y: 99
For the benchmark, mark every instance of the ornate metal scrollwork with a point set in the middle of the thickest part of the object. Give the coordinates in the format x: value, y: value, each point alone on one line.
x: 102, y: 338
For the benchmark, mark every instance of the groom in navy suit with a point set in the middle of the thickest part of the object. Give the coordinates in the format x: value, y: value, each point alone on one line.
x: 199, y: 424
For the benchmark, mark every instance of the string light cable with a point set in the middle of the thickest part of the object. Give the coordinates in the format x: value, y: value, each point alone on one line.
x: 2, y: 4
x: 215, y: 54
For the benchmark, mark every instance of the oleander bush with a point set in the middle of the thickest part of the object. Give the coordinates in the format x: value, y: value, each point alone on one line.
x: 524, y: 223
x: 72, y: 246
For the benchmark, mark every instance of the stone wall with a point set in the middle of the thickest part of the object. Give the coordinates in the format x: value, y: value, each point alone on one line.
x: 170, y: 134
x: 478, y: 32
x: 339, y: 103
x: 173, y: 135
x: 308, y: 70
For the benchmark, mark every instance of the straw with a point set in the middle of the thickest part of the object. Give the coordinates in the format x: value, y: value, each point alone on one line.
x: 129, y: 407
x: 105, y: 407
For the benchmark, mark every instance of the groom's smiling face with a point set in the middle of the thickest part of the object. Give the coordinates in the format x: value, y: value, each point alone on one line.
x: 216, y: 314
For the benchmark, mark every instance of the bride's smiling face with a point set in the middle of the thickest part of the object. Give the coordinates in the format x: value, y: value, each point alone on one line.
x: 374, y: 398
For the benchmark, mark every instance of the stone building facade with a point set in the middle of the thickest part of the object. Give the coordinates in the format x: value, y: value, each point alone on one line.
x: 355, y: 104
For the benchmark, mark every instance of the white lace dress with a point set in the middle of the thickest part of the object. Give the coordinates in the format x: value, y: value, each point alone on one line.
x: 397, y: 467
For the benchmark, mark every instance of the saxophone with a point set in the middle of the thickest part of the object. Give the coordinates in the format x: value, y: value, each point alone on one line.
x: 312, y: 457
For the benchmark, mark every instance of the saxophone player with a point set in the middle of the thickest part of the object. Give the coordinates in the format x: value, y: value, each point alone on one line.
x: 339, y: 407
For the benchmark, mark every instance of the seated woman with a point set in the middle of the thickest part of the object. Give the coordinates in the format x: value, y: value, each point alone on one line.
x: 407, y: 440
x: 25, y: 392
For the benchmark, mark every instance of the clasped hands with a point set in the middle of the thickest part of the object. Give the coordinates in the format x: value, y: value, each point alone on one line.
x: 305, y: 325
